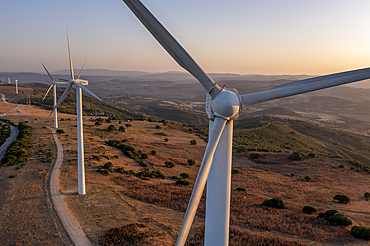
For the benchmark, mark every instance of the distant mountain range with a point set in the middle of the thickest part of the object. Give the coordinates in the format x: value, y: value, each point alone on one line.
x: 173, y: 76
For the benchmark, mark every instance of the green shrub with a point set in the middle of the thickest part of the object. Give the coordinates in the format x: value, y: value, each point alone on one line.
x: 361, y: 232
x: 235, y: 171
x: 193, y: 142
x: 182, y: 182
x: 341, y: 166
x: 274, y: 203
x: 96, y: 158
x: 60, y: 131
x: 241, y: 189
x: 169, y: 164
x: 367, y: 196
x: 308, y: 178
x: 143, y: 163
x: 105, y: 172
x: 327, y: 214
x: 185, y: 175
x: 309, y: 209
x: 153, y: 152
x: 340, y: 219
x: 191, y: 162
x: 144, y: 156
x: 13, y: 176
x: 254, y: 156
x: 108, y: 165
x: 166, y: 140
x: 296, y: 156
x: 158, y: 127
x: 111, y: 128
x: 121, y: 129
x: 292, y: 175
x: 128, y: 125
x: 120, y: 170
x: 342, y: 199
x: 98, y: 123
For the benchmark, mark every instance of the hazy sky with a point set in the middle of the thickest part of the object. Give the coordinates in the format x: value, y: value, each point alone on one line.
x: 237, y: 36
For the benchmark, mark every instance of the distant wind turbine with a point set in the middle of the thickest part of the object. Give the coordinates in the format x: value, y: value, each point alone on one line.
x: 8, y: 80
x: 223, y: 106
x: 80, y: 85
x: 54, y: 86
x: 16, y: 86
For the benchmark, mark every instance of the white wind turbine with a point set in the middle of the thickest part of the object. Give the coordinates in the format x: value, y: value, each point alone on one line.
x: 54, y: 86
x: 80, y: 85
x: 223, y: 106
x: 16, y: 86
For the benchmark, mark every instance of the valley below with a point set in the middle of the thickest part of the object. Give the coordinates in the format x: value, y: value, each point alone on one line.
x: 303, y: 150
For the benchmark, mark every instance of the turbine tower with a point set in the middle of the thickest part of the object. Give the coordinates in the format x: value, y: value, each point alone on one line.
x: 8, y: 80
x: 80, y: 85
x: 222, y: 107
x: 16, y: 86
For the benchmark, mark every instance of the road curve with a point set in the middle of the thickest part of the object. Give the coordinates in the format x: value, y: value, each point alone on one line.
x: 13, y: 136
x: 71, y: 225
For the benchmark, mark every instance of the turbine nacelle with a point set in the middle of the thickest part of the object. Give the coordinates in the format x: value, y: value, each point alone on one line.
x: 82, y: 81
x: 226, y: 104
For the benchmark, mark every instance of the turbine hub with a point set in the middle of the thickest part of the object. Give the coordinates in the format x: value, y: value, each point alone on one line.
x: 226, y: 104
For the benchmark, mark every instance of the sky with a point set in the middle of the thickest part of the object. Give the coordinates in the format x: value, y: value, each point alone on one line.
x: 237, y: 36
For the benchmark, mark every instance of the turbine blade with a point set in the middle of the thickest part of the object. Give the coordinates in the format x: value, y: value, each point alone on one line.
x: 84, y: 88
x: 70, y: 59
x: 64, y: 95
x: 215, y: 134
x: 79, y: 74
x: 306, y: 85
x: 169, y: 43
x: 66, y: 80
x: 48, y: 73
x: 48, y: 91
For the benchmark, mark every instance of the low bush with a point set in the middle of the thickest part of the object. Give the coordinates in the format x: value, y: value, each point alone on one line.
x: 153, y: 152
x: 254, y: 156
x: 144, y: 156
x: 308, y: 178
x: 182, y: 182
x: 309, y: 209
x: 169, y: 164
x: 121, y: 129
x: 98, y: 123
x: 367, y: 196
x: 361, y: 232
x: 274, y: 203
x: 13, y: 176
x: 108, y: 166
x: 327, y: 214
x: 193, y: 142
x: 296, y: 156
x: 143, y: 163
x: 340, y: 219
x: 191, y: 162
x: 111, y: 128
x: 158, y: 127
x: 235, y: 171
x: 120, y: 170
x: 185, y: 175
x: 241, y: 189
x: 342, y: 199
x: 166, y: 139
x: 105, y: 172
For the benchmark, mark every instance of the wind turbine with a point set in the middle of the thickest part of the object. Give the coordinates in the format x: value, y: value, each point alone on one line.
x: 222, y: 107
x: 16, y: 86
x: 80, y: 85
x: 54, y: 86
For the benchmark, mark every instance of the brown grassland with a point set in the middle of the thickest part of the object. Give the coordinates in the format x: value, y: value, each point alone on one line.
x: 148, y: 211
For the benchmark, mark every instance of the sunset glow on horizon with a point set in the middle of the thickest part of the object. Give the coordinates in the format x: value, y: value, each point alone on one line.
x: 244, y: 37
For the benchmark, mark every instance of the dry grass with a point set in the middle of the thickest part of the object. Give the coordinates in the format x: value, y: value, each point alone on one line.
x: 119, y: 200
